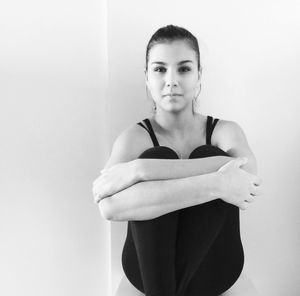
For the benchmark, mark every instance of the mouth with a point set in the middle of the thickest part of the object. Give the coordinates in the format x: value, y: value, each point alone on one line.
x: 172, y: 95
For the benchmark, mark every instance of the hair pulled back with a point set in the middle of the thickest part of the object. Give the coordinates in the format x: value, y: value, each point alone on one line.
x: 171, y: 33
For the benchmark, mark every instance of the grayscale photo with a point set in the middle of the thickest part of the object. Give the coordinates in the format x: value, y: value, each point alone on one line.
x: 150, y: 148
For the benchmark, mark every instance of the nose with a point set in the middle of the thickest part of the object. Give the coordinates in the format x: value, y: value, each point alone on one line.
x: 171, y: 79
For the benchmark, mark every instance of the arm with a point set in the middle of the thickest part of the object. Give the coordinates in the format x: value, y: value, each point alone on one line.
x: 161, y: 169
x: 148, y: 200
x: 229, y: 136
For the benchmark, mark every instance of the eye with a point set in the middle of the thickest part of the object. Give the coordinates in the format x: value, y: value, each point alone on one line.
x: 159, y: 69
x: 185, y: 69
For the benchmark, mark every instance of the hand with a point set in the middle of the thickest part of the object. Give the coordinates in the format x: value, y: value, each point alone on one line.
x: 238, y: 186
x: 115, y: 179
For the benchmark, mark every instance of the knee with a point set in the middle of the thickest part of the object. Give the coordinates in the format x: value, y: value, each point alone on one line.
x: 159, y: 152
x: 207, y: 151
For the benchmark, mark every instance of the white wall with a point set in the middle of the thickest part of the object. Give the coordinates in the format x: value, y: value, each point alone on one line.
x: 57, y: 130
x: 53, y: 75
x: 251, y: 62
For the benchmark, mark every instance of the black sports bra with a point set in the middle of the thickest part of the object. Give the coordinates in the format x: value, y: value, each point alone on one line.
x: 210, y: 125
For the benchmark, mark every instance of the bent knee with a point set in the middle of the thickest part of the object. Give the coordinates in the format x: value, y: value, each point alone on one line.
x: 207, y: 151
x: 162, y: 152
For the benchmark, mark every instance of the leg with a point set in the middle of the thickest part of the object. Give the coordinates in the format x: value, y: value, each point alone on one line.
x: 148, y: 256
x: 209, y: 254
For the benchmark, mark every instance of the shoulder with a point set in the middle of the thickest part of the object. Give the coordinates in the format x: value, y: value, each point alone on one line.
x: 228, y: 127
x: 230, y: 137
x: 227, y: 134
x: 128, y: 145
x: 135, y: 137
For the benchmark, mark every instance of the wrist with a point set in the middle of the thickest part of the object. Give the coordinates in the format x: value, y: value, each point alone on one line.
x: 217, y: 188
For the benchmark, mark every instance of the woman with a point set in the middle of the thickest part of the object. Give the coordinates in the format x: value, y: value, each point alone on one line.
x: 182, y: 197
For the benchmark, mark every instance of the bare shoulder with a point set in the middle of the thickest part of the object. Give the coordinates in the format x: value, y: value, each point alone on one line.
x: 225, y: 128
x: 228, y: 133
x: 129, y: 145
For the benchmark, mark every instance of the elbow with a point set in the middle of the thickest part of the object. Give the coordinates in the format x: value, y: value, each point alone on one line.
x: 105, y: 209
x: 252, y: 164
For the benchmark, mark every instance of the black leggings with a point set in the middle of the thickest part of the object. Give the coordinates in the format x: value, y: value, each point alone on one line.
x: 195, y: 251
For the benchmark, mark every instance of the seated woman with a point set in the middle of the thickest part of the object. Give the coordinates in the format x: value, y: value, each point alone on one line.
x: 179, y: 178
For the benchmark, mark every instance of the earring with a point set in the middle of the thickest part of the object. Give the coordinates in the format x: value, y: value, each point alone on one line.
x: 195, y: 99
x: 193, y: 105
x: 154, y: 104
x: 199, y: 91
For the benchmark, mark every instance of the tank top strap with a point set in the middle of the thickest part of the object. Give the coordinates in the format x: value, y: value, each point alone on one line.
x: 150, y: 131
x: 210, y: 125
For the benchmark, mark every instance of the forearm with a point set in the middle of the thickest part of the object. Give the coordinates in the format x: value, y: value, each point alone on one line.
x: 149, y: 200
x: 251, y: 165
x: 162, y: 169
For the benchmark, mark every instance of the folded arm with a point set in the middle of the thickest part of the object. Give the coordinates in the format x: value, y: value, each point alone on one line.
x: 170, y: 185
x: 161, y: 169
x: 151, y: 199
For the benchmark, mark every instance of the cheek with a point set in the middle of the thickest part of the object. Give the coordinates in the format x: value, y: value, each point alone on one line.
x: 155, y: 83
x: 190, y: 85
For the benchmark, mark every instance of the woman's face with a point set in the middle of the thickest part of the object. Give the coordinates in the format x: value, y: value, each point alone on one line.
x: 173, y: 77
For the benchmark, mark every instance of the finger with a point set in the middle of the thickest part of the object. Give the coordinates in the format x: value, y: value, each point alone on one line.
x: 95, y: 191
x: 98, y: 192
x: 250, y: 199
x: 240, y: 161
x: 97, y: 187
x: 104, y: 172
x: 98, y: 198
x: 103, y: 190
x: 95, y: 198
x: 101, y: 179
x: 95, y: 195
x: 256, y: 180
x: 256, y: 191
x: 226, y: 165
x: 243, y: 206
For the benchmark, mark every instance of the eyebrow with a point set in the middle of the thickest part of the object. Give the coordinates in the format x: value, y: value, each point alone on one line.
x: 182, y: 62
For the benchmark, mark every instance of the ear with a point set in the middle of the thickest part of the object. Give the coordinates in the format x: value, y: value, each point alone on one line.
x: 200, y: 73
x: 146, y: 76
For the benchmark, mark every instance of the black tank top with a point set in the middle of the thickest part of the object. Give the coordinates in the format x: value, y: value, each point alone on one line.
x: 210, y: 125
x: 213, y: 240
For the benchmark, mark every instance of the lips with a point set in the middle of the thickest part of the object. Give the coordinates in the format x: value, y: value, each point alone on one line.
x: 172, y: 95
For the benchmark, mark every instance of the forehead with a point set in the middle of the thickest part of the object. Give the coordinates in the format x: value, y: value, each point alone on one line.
x: 172, y: 52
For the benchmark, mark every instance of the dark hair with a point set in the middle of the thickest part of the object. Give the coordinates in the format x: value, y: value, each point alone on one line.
x: 171, y: 33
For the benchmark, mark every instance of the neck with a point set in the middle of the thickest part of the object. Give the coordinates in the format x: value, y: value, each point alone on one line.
x: 177, y: 126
